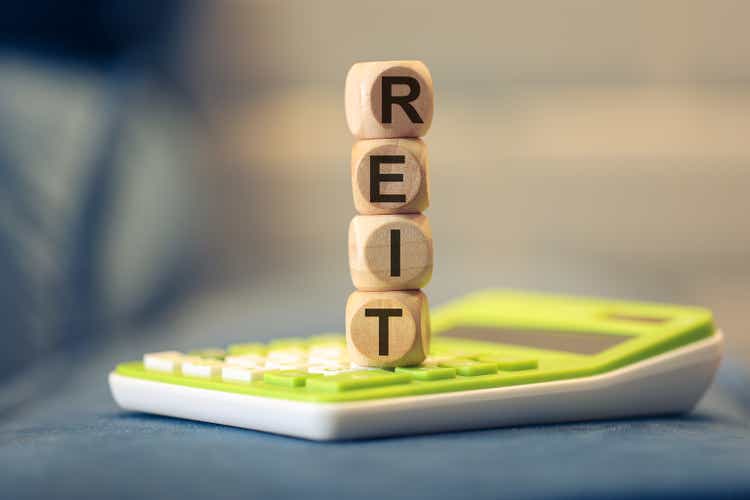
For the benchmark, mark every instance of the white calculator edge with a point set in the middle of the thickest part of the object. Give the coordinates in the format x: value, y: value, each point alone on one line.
x: 669, y: 383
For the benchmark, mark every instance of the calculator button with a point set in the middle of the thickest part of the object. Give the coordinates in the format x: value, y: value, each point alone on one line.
x: 287, y: 356
x: 328, y: 361
x: 285, y: 362
x: 510, y: 363
x: 209, y: 353
x: 436, y: 360
x: 194, y: 366
x: 469, y: 367
x: 288, y: 378
x: 284, y: 365
x: 166, y: 361
x: 328, y: 339
x: 288, y: 343
x: 236, y: 373
x: 327, y: 352
x: 428, y: 372
x: 329, y: 349
x: 452, y: 355
x: 246, y: 348
x: 246, y: 360
x: 329, y: 369
x: 359, y: 379
x: 355, y: 366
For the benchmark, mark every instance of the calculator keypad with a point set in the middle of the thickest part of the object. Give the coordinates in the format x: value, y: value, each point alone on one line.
x: 322, y: 365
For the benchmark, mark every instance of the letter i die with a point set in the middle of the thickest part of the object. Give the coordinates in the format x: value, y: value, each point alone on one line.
x: 389, y: 106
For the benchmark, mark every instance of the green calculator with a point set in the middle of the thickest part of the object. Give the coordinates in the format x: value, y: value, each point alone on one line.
x: 497, y: 358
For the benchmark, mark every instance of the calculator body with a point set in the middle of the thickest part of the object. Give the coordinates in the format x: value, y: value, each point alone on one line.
x: 498, y: 358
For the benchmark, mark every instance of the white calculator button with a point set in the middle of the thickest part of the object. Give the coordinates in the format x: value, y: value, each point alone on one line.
x: 327, y: 352
x: 283, y: 365
x: 356, y: 367
x: 236, y: 373
x: 201, y: 368
x: 246, y: 360
x: 165, y: 361
x: 287, y: 356
x: 287, y: 350
x: 435, y: 360
x: 324, y: 361
x: 328, y: 361
x: 329, y: 369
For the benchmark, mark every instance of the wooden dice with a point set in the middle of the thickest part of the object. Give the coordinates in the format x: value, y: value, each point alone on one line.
x: 389, y: 105
x: 390, y: 252
x: 389, y: 99
x: 388, y: 328
x: 390, y: 176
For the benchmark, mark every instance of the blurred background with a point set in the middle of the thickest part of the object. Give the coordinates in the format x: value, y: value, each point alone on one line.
x: 175, y: 174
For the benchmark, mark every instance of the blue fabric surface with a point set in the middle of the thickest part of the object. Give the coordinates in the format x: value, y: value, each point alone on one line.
x: 94, y: 205
x: 74, y: 443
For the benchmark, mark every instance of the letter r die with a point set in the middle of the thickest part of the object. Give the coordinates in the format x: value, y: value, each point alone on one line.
x: 389, y: 99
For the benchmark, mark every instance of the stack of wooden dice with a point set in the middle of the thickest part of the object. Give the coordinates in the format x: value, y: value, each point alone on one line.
x: 389, y: 106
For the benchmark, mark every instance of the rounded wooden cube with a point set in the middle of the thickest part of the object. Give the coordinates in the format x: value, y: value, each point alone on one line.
x: 390, y: 176
x: 390, y: 252
x: 389, y: 99
x: 386, y: 329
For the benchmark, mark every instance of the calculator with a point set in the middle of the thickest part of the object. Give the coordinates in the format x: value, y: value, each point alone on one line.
x: 497, y: 358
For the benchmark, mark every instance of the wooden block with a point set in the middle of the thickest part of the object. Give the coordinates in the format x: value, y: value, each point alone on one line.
x: 390, y: 252
x: 387, y: 329
x: 389, y: 99
x: 390, y: 176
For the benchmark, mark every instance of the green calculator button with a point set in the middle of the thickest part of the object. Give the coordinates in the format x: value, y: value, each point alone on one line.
x: 469, y: 367
x: 247, y: 348
x: 351, y: 381
x: 287, y: 378
x: 428, y: 372
x: 510, y: 363
x: 209, y: 353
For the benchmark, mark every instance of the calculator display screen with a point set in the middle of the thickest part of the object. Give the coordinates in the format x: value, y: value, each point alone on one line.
x: 568, y: 341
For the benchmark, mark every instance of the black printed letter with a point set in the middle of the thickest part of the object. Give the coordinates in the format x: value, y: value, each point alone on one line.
x: 382, y: 315
x: 376, y: 178
x: 388, y: 99
x: 395, y: 252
